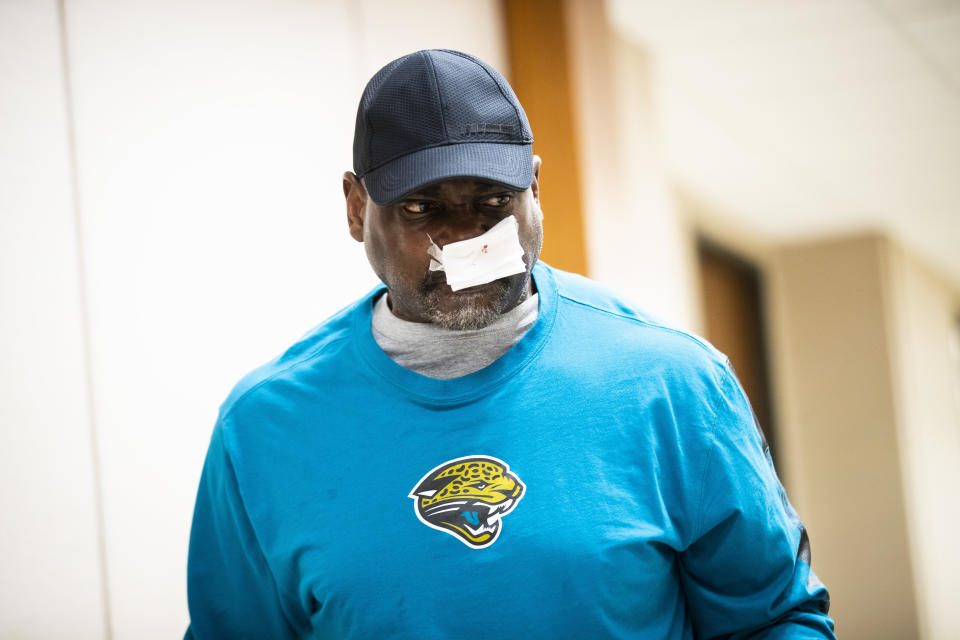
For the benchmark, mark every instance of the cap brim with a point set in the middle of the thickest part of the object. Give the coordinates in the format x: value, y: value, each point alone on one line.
x: 508, y: 164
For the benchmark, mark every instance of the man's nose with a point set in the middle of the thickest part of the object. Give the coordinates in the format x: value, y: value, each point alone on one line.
x: 463, y: 225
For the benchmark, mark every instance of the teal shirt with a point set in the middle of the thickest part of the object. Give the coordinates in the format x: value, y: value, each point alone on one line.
x: 603, y: 479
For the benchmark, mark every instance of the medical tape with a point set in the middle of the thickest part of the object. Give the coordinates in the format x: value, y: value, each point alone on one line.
x: 485, y: 258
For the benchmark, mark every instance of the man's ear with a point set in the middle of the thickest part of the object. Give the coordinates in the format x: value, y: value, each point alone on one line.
x: 356, y: 196
x: 535, y: 185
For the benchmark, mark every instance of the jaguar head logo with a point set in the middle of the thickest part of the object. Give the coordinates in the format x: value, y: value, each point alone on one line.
x: 467, y: 498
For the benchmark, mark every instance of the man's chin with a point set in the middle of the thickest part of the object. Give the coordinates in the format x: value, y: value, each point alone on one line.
x: 470, y: 308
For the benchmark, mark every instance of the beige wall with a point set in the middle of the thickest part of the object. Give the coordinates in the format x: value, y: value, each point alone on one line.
x: 925, y: 310
x: 834, y: 347
x: 819, y: 292
x: 840, y: 410
x: 637, y: 241
x: 870, y: 404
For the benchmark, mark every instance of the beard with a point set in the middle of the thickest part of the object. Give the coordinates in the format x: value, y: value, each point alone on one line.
x: 467, y: 309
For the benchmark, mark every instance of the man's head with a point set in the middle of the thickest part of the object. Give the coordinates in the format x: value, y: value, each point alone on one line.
x: 442, y: 150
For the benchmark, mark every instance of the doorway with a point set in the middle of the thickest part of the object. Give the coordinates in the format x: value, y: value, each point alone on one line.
x: 732, y: 295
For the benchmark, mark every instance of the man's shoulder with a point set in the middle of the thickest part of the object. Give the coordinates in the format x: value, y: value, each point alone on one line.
x: 325, y: 341
x: 596, y: 295
x: 624, y: 325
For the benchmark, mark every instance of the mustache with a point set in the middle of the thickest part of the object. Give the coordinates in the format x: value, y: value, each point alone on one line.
x: 435, y: 280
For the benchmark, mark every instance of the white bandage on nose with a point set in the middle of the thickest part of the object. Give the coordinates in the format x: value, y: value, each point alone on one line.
x: 492, y: 255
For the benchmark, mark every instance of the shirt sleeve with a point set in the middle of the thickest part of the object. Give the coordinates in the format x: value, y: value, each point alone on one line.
x: 231, y: 591
x: 747, y: 572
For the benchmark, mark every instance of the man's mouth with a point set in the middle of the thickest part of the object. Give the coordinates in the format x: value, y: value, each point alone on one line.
x: 431, y: 284
x: 474, y: 288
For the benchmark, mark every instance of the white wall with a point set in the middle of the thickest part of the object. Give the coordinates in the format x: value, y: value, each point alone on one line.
x: 209, y: 162
x: 51, y: 578
x: 211, y: 139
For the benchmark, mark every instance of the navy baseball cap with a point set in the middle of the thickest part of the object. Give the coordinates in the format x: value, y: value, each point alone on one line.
x: 438, y: 114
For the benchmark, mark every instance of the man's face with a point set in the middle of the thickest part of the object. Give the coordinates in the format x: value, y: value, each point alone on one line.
x: 396, y: 238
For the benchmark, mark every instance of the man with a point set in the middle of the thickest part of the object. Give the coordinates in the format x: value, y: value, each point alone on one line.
x: 485, y: 446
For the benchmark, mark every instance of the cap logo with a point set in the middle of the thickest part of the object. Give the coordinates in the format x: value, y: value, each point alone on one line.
x: 486, y: 127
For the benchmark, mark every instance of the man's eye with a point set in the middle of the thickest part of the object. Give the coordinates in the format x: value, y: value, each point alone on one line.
x: 497, y: 201
x: 418, y: 206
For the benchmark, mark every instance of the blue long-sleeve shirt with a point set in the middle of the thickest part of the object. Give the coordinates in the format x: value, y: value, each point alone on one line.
x: 603, y: 479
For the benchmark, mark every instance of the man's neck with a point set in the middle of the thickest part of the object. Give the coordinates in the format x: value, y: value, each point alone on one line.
x: 442, y: 353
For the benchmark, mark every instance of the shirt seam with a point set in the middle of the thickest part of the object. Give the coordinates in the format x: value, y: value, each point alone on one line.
x: 710, y: 457
x: 473, y: 393
x: 646, y: 323
x: 304, y: 359
x: 405, y: 391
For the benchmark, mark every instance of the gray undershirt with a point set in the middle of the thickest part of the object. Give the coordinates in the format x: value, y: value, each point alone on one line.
x: 447, y: 353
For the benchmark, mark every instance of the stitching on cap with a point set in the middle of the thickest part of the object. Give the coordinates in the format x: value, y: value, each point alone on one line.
x: 436, y: 83
x: 366, y: 117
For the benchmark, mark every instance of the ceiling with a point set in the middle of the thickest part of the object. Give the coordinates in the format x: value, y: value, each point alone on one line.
x: 797, y: 118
